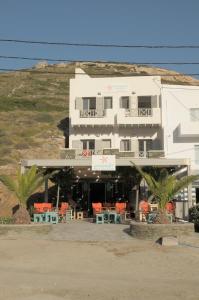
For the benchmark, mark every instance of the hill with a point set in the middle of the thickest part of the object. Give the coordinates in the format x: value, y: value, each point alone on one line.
x: 34, y: 106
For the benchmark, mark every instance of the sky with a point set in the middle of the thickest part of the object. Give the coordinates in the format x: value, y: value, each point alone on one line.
x: 153, y: 22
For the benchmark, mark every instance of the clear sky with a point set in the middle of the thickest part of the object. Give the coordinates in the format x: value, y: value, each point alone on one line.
x: 100, y: 21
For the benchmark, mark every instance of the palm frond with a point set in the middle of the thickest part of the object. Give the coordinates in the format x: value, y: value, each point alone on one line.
x: 183, y: 182
x: 9, y: 183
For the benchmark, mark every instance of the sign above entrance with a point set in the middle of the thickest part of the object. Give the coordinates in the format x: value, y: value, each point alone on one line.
x: 103, y: 163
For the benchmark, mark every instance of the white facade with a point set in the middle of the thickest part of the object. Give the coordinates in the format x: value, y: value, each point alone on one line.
x: 180, y: 119
x: 122, y: 113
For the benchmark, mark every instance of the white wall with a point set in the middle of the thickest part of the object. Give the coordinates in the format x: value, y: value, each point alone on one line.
x: 85, y: 86
x: 176, y: 102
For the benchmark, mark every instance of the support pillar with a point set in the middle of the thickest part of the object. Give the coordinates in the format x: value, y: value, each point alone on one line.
x: 46, y: 191
x: 189, y: 192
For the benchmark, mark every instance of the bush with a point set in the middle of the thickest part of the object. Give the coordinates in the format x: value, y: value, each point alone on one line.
x: 6, y: 220
x: 194, y: 216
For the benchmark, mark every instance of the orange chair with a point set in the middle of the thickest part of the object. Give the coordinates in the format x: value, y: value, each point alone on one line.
x: 120, y: 207
x: 97, y: 208
x: 42, y: 207
x: 64, y: 207
x: 170, y: 207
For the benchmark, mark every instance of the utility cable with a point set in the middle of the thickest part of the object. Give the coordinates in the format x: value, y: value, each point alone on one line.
x: 75, y: 44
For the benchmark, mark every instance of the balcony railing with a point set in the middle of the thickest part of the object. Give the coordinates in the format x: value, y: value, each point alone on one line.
x: 92, y: 113
x: 78, y: 153
x: 139, y: 112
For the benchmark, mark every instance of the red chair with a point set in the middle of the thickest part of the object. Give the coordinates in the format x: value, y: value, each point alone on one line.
x: 120, y: 207
x: 47, y: 207
x: 97, y: 208
x: 38, y: 207
x: 42, y: 207
x: 63, y: 208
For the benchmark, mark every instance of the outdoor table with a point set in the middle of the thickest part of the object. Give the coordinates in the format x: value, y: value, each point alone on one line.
x: 39, y: 217
x: 46, y: 217
x: 110, y: 216
x: 51, y: 217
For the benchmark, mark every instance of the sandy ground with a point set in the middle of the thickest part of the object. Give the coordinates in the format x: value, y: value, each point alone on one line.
x: 118, y: 269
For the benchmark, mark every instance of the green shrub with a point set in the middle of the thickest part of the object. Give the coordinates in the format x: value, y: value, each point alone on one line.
x: 194, y: 214
x: 6, y: 220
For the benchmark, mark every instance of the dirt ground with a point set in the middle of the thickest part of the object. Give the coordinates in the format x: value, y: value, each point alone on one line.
x: 111, y: 270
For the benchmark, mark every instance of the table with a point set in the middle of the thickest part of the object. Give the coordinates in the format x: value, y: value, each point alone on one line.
x: 111, y: 216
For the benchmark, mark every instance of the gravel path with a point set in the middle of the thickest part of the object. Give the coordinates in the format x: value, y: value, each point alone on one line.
x: 86, y: 231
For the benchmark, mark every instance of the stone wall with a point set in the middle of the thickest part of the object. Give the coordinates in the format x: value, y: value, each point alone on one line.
x: 155, y: 231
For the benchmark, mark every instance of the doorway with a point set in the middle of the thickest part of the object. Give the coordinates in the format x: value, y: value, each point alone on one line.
x: 97, y: 192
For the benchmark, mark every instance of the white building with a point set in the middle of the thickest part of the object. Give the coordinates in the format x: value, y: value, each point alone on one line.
x: 121, y: 113
x: 135, y: 119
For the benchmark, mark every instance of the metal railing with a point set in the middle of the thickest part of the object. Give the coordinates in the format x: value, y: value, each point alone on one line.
x: 78, y: 153
x: 139, y: 112
x: 92, y: 113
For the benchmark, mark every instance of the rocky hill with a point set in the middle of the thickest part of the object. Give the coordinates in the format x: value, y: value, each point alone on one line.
x: 34, y: 106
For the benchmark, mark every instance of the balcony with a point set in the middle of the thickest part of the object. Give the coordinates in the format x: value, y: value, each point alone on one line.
x: 139, y: 116
x: 188, y: 129
x: 83, y: 154
x: 92, y: 113
x: 92, y: 117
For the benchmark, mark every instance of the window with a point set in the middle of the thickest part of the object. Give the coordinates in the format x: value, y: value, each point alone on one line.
x: 89, y: 103
x: 145, y: 145
x: 194, y: 114
x: 124, y: 102
x: 144, y: 102
x: 88, y: 144
x: 108, y: 102
x: 196, y: 150
x: 125, y: 145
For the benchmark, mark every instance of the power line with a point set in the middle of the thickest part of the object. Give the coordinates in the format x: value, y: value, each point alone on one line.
x: 101, y: 45
x: 116, y: 74
x: 98, y: 61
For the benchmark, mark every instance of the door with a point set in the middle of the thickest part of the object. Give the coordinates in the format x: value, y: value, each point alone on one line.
x: 144, y: 147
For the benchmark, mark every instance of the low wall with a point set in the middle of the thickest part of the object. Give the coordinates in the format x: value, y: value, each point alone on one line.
x: 30, y: 229
x: 155, y: 231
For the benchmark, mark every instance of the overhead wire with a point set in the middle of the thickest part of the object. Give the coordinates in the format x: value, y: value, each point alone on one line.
x: 78, y: 44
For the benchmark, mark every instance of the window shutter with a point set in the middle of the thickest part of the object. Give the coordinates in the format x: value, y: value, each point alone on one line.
x: 98, y: 145
x: 99, y: 103
x: 133, y: 102
x: 79, y: 103
x: 154, y: 102
x: 134, y: 145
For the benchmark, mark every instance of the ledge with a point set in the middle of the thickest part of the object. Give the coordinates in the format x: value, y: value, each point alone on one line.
x: 25, y: 228
x: 155, y: 231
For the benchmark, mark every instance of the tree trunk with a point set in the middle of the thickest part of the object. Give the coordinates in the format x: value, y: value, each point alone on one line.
x: 21, y: 216
x: 161, y: 218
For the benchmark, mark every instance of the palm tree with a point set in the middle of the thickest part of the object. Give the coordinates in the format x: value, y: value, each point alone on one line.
x: 23, y: 187
x: 166, y: 186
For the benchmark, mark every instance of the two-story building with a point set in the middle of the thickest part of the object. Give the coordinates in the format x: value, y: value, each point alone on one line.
x: 116, y: 113
x: 132, y: 119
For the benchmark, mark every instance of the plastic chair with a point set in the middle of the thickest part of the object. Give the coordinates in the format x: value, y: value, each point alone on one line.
x: 42, y: 207
x: 97, y: 208
x: 120, y: 207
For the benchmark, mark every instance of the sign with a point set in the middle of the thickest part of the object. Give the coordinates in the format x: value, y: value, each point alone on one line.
x: 103, y: 163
